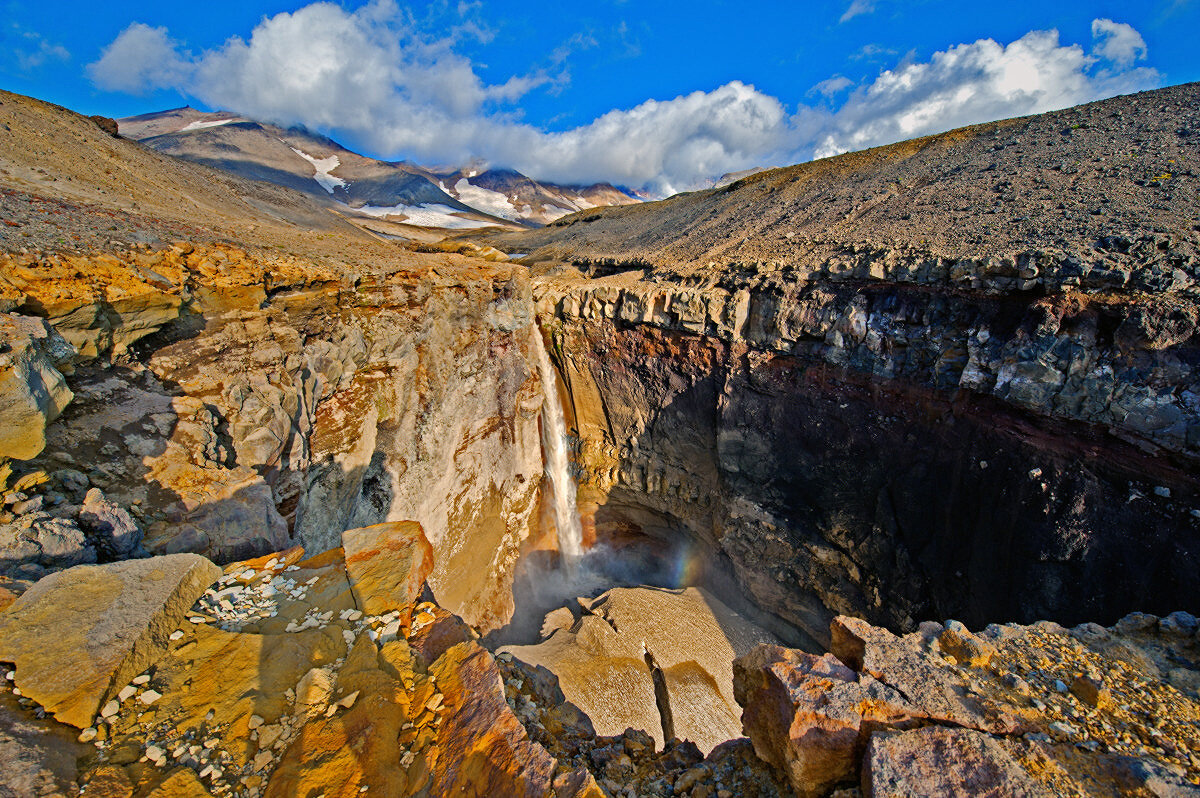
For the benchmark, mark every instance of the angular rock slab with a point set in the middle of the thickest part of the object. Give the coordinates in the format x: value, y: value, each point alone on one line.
x: 899, y: 664
x: 942, y: 762
x: 77, y: 634
x: 387, y: 564
x: 810, y: 716
x: 484, y: 748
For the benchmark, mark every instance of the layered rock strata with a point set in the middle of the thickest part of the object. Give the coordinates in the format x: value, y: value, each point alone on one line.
x: 894, y: 446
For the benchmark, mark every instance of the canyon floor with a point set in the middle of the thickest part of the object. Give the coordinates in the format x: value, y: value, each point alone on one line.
x: 886, y: 469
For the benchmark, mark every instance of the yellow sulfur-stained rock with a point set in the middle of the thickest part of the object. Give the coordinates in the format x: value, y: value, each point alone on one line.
x: 182, y: 783
x: 387, y: 564
x: 79, y: 635
x: 339, y: 755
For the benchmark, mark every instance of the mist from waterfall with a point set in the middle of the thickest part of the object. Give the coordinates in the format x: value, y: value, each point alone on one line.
x: 557, y: 460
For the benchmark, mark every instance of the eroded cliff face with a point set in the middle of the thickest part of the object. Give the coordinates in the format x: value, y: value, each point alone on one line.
x: 893, y: 444
x: 240, y: 403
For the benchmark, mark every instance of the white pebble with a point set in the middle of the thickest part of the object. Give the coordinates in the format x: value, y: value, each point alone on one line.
x: 149, y: 697
x: 178, y: 633
x: 126, y: 693
x: 110, y: 709
x: 141, y: 679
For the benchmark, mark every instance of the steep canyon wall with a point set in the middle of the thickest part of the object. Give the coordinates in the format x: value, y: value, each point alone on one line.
x: 240, y: 404
x: 897, y: 449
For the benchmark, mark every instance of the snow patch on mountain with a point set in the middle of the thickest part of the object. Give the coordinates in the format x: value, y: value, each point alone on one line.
x: 201, y: 124
x: 428, y: 215
x: 323, y: 167
x: 488, y: 201
x: 552, y: 212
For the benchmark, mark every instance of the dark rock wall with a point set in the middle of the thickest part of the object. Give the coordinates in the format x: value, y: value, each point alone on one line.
x: 888, y: 452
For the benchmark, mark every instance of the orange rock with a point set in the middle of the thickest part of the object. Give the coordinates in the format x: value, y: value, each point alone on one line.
x: 810, y: 716
x: 286, y: 557
x: 182, y: 783
x: 482, y: 747
x: 433, y: 639
x: 340, y: 755
x: 109, y: 781
x: 387, y: 565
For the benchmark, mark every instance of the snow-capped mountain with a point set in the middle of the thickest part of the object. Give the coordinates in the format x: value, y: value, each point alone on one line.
x: 390, y: 191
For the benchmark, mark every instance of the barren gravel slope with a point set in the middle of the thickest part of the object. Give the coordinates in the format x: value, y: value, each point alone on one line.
x: 67, y: 185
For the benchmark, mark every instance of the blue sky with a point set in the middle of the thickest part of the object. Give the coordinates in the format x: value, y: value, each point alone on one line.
x: 561, y: 90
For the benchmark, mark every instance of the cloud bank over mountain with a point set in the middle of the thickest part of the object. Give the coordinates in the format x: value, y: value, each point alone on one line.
x: 372, y: 74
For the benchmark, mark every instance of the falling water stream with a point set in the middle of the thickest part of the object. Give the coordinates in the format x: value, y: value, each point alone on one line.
x: 557, y: 460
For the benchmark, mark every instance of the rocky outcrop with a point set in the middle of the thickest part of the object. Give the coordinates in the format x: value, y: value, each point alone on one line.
x: 1012, y: 710
x: 274, y: 684
x: 79, y: 632
x: 941, y: 761
x: 32, y: 390
x: 236, y: 403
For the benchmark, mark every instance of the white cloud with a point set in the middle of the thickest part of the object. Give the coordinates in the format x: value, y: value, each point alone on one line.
x: 141, y: 59
x: 372, y: 76
x: 831, y: 86
x: 970, y: 83
x: 857, y: 7
x: 35, y: 51
x: 1117, y: 41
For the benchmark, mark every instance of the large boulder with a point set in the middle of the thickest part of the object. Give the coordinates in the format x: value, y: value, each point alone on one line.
x: 667, y: 652
x: 79, y: 634
x: 387, y: 564
x: 811, y: 716
x: 32, y: 390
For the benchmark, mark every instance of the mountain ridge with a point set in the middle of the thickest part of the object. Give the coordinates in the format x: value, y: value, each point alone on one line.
x: 396, y: 190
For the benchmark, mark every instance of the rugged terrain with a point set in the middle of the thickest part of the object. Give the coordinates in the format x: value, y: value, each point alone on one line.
x: 272, y: 486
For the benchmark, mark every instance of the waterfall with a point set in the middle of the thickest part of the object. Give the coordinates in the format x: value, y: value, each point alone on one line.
x: 557, y: 461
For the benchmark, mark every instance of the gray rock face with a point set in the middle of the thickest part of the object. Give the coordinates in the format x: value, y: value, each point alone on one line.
x: 43, y: 539
x: 807, y: 431
x: 78, y: 635
x: 110, y: 523
x: 32, y: 390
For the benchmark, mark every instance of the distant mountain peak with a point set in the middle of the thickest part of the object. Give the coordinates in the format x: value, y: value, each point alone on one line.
x: 471, y: 195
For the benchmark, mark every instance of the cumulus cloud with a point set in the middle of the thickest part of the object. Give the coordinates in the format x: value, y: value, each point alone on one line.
x: 1118, y: 42
x: 140, y: 60
x: 975, y: 82
x: 370, y: 74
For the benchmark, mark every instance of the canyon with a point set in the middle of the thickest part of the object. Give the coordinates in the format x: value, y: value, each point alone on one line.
x: 756, y: 445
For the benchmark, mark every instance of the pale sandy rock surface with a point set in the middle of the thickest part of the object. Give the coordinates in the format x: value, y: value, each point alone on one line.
x: 692, y: 639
